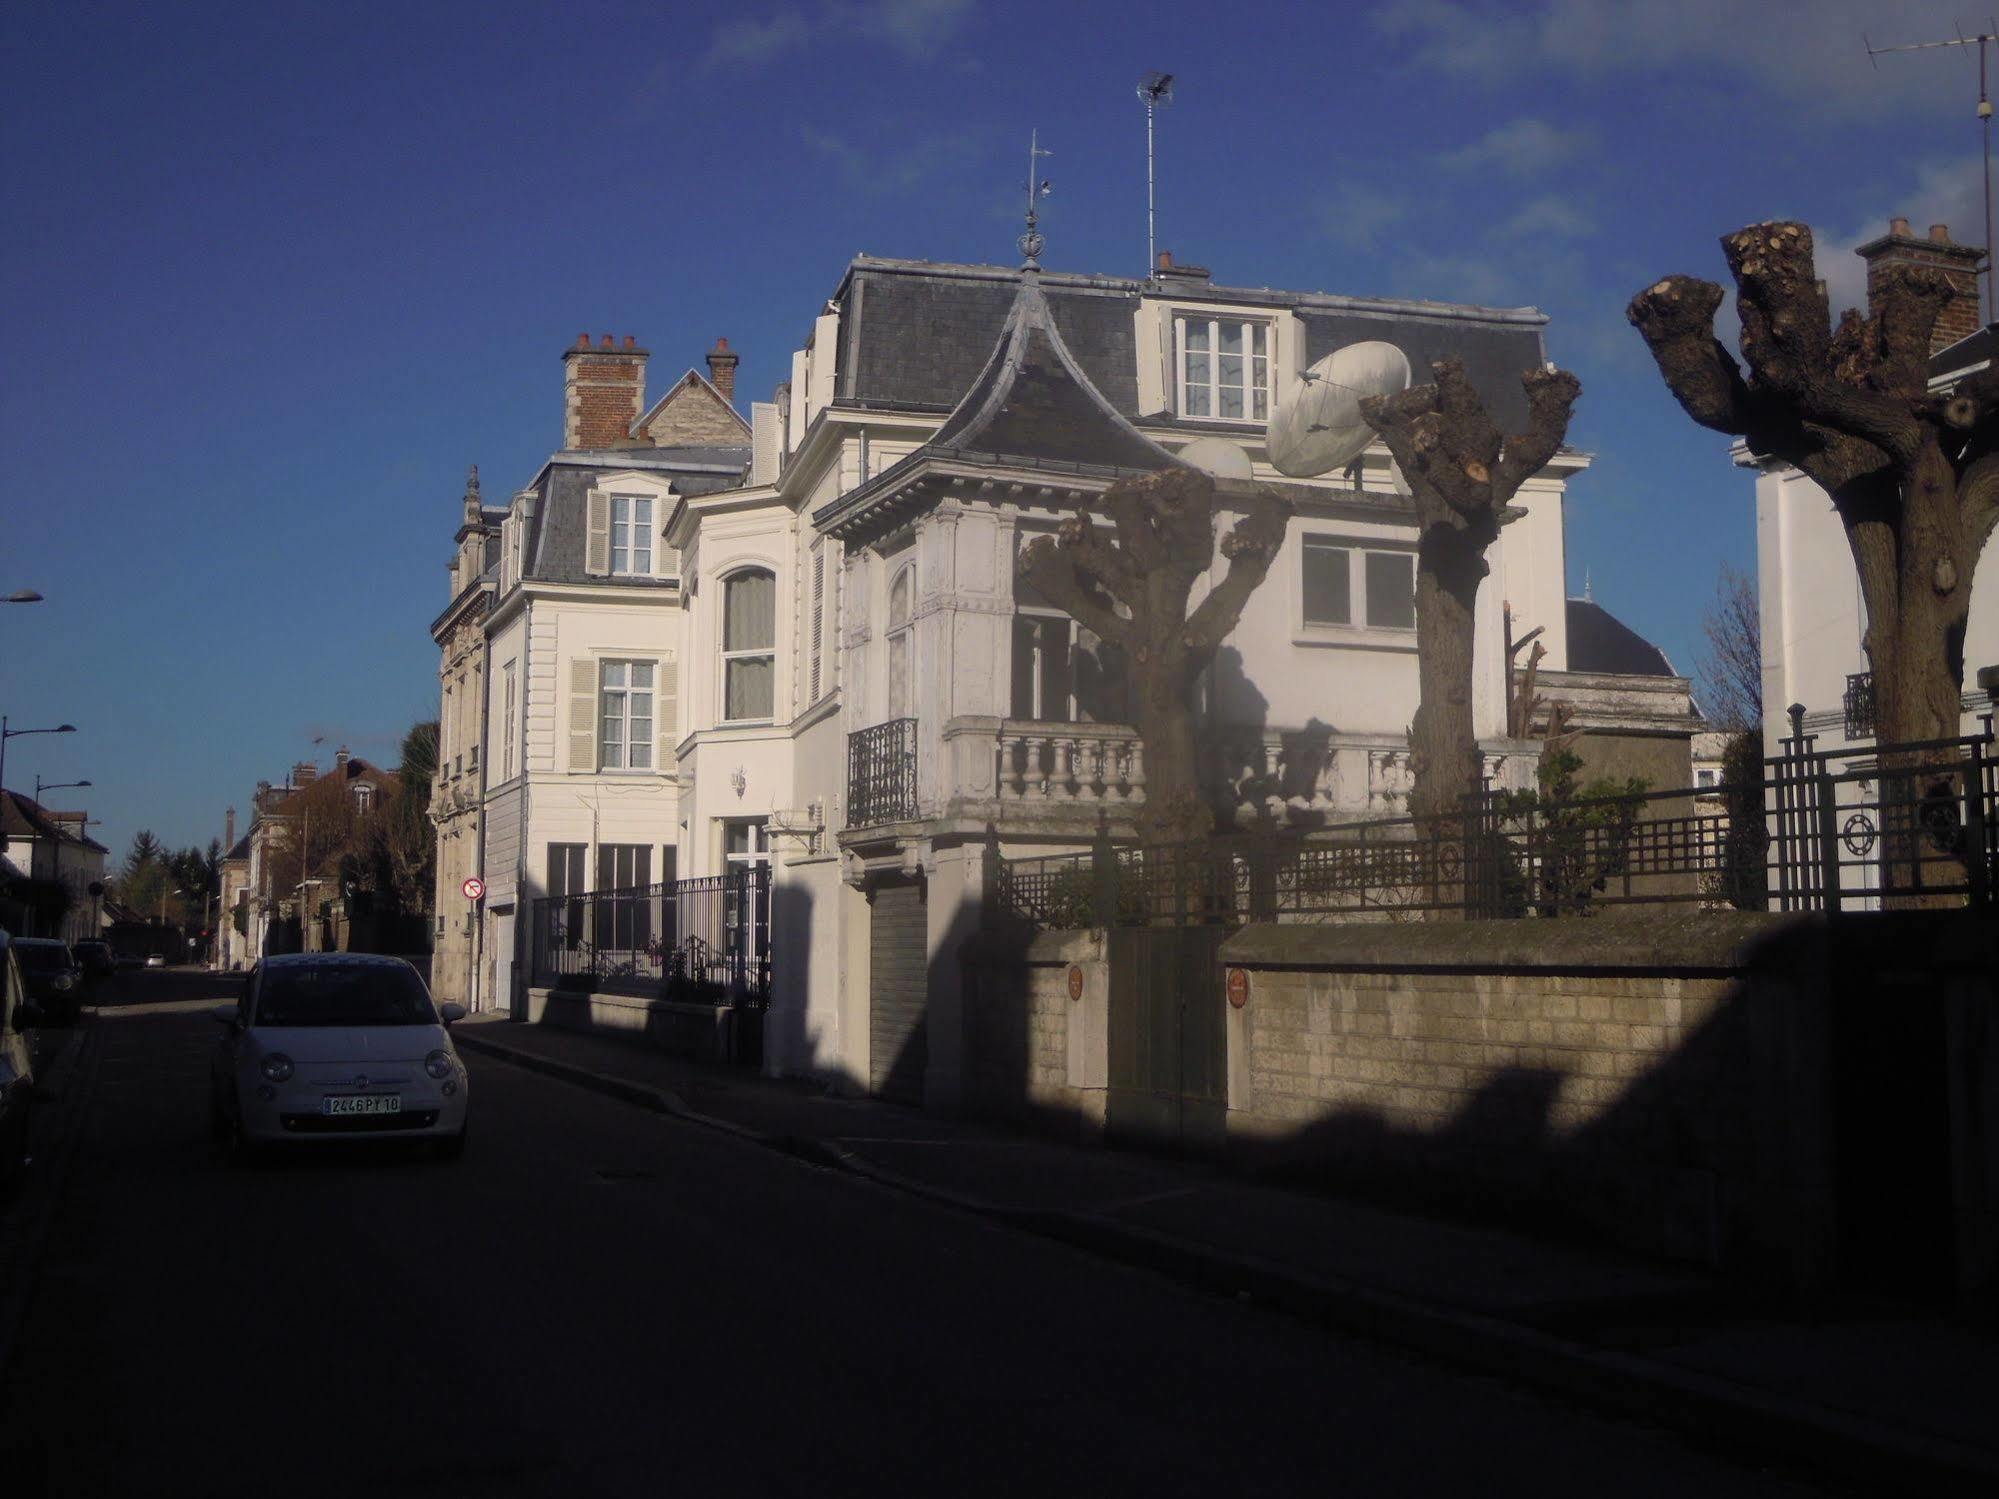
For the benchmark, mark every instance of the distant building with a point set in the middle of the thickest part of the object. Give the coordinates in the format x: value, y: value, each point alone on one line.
x: 37, y: 844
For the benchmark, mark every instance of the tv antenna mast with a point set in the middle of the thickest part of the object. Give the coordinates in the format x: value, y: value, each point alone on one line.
x: 1032, y: 242
x: 1156, y: 89
x: 1981, y: 41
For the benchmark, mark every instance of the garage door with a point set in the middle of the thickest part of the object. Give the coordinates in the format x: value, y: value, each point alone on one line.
x: 898, y: 993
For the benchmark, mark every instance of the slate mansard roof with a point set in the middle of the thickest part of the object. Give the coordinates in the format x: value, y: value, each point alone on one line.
x: 558, y: 533
x: 1601, y: 642
x: 916, y: 335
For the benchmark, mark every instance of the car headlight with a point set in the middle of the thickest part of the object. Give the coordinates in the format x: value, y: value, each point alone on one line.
x: 65, y: 981
x: 438, y: 1064
x: 277, y: 1066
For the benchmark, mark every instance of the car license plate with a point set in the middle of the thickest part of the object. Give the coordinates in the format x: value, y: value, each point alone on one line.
x: 377, y: 1103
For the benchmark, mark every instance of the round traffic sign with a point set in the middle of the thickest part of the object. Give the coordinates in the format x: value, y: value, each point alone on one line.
x: 473, y: 888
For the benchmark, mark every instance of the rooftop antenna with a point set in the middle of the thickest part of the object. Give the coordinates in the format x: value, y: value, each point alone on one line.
x: 1031, y: 242
x: 1981, y: 41
x: 1156, y: 89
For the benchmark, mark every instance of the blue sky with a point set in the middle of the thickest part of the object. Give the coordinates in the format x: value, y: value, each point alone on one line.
x: 276, y: 273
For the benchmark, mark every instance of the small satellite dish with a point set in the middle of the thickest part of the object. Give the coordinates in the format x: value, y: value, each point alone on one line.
x: 1217, y: 456
x: 1400, y: 481
x: 1318, y: 427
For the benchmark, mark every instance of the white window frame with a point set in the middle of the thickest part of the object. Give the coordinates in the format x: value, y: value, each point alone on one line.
x: 899, y: 634
x: 631, y: 535
x: 1215, y: 322
x: 1356, y: 630
x: 746, y: 653
x: 626, y: 692
x: 507, y: 722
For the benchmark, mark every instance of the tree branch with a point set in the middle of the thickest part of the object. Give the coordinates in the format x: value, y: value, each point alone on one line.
x: 1675, y: 317
x: 1054, y: 574
x: 1096, y: 557
x: 1250, y: 549
x: 1551, y: 397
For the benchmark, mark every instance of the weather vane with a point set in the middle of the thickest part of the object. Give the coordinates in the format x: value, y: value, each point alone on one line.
x: 1031, y: 242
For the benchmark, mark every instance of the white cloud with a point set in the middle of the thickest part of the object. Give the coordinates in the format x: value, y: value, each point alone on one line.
x: 752, y: 42
x: 1549, y: 218
x: 1357, y: 216
x: 914, y: 28
x: 884, y: 171
x: 1520, y: 148
x: 1809, y: 51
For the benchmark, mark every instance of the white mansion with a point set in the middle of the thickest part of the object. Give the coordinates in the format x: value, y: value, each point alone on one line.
x: 690, y: 644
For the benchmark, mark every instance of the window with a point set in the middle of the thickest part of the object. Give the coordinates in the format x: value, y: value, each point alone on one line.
x: 1061, y: 673
x: 818, y: 627
x: 1345, y: 583
x: 623, y: 924
x: 749, y: 642
x: 624, y: 715
x: 1223, y: 368
x: 1705, y: 779
x: 565, y: 883
x: 901, y: 699
x: 746, y: 847
x: 631, y: 535
x: 507, y: 722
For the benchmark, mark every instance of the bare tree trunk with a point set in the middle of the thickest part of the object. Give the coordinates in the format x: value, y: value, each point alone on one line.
x: 1444, y: 750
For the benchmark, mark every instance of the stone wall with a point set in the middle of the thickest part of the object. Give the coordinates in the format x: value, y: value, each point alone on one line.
x: 1032, y: 1053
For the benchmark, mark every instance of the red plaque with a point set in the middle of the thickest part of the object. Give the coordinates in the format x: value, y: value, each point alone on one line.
x: 1075, y: 982
x: 1238, y: 987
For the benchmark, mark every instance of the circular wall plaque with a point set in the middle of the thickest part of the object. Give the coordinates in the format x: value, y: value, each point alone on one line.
x: 1075, y: 982
x: 1237, y: 986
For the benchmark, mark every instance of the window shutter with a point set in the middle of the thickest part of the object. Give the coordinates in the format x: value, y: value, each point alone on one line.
x: 597, y: 545
x: 583, y: 713
x: 666, y: 706
x: 818, y: 618
x: 1169, y: 358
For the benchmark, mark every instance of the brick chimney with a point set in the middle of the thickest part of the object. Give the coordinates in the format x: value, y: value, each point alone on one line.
x: 1166, y: 270
x: 228, y: 830
x: 1959, y: 318
x: 304, y: 773
x: 603, y: 392
x: 722, y: 369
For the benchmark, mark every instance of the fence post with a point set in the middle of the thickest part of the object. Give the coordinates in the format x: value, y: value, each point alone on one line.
x: 1828, y: 839
x: 739, y: 938
x: 1974, y: 828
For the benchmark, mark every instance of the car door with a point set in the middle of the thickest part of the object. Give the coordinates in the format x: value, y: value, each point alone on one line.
x: 233, y: 1036
x: 17, y: 1077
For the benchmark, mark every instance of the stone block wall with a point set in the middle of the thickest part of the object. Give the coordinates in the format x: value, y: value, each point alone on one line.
x: 1032, y: 1053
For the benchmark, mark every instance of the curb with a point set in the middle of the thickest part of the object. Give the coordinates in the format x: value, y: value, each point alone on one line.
x: 1851, y: 1448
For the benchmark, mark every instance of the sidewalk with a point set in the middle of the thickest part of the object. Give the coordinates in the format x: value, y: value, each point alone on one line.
x: 1874, y: 1398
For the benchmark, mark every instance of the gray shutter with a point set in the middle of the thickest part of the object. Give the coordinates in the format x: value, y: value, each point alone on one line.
x: 597, y: 544
x: 583, y: 714
x: 1169, y: 360
x: 818, y: 619
x: 666, y: 710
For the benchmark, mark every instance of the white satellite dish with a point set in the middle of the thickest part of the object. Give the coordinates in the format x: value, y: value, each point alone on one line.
x: 1217, y: 456
x: 1399, y: 481
x: 1318, y: 428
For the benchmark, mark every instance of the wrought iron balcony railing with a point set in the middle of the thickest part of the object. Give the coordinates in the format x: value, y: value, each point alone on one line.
x: 1860, y: 705
x: 881, y: 773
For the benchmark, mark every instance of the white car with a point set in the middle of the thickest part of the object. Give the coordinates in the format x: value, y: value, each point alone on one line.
x: 335, y: 1046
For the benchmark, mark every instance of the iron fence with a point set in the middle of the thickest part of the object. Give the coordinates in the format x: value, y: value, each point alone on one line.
x: 881, y: 773
x: 1820, y: 831
x: 703, y: 939
x: 1858, y: 705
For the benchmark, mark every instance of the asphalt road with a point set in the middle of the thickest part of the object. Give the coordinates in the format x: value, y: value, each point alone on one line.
x: 600, y: 1301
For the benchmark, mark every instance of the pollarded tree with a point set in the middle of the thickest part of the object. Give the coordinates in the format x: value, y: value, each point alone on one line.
x: 1913, y: 474
x: 1131, y: 587
x: 1461, y: 472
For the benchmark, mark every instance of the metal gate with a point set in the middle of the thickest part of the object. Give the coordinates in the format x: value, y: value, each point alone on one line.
x: 898, y: 992
x: 1168, y: 1036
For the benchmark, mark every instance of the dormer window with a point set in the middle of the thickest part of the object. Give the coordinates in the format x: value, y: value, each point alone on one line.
x: 1222, y: 368
x: 364, y: 797
x: 631, y: 535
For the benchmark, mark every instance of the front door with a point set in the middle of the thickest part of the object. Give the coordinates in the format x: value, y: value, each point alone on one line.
x: 502, y: 969
x: 898, y: 991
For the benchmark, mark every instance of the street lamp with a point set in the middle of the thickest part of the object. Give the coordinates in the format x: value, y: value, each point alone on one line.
x: 42, y: 785
x: 23, y: 596
x: 7, y: 733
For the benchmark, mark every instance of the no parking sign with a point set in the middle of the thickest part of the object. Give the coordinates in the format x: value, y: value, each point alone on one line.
x: 473, y: 888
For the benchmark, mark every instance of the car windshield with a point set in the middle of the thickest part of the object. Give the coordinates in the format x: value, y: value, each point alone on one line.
x: 343, y: 994
x: 41, y: 957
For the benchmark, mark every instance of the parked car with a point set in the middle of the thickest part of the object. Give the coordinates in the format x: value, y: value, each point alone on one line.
x: 154, y: 960
x: 329, y: 1046
x: 94, y: 958
x: 18, y: 1014
x: 54, y: 981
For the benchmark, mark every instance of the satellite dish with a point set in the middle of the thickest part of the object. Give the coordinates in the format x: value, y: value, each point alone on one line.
x: 1318, y: 427
x: 1400, y: 481
x: 1217, y: 456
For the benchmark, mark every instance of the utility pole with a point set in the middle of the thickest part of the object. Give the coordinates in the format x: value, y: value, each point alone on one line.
x: 1981, y: 42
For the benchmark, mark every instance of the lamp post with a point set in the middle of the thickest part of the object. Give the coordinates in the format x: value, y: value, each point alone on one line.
x: 7, y: 733
x: 22, y: 596
x: 42, y: 785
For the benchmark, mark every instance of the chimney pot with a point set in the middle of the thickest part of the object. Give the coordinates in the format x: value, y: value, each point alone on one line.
x: 631, y: 342
x: 721, y: 345
x: 1940, y: 233
x: 582, y: 340
x: 1165, y: 260
x: 605, y: 341
x: 1898, y: 226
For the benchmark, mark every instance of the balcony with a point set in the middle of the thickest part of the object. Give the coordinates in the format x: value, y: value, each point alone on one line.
x: 1860, y: 705
x: 881, y: 774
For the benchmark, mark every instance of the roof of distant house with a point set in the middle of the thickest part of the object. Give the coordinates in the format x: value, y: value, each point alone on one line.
x: 1973, y: 351
x: 24, y: 817
x: 1599, y: 641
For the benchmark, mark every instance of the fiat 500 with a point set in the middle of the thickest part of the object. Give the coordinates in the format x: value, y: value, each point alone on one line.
x: 331, y: 1046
